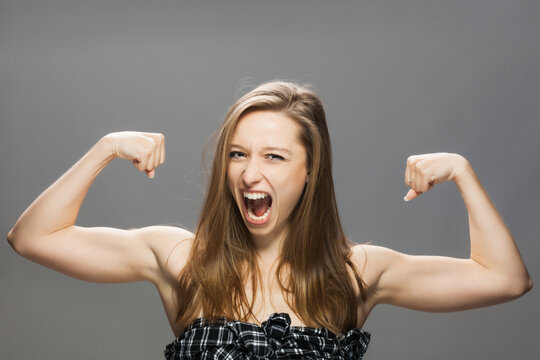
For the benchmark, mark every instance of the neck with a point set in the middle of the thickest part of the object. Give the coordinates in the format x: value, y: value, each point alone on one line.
x: 268, y: 247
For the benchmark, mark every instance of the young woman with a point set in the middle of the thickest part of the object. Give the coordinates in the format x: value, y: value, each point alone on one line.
x: 268, y: 272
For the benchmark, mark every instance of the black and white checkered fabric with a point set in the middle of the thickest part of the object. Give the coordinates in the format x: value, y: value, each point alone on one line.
x: 274, y: 339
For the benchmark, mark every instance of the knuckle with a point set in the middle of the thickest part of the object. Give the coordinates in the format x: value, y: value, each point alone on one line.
x: 141, y: 154
x: 147, y: 138
x: 149, y: 147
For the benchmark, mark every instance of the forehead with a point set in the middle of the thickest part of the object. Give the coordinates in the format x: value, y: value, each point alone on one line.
x: 266, y: 128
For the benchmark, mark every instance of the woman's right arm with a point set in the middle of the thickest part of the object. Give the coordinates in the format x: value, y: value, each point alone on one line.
x: 46, y: 232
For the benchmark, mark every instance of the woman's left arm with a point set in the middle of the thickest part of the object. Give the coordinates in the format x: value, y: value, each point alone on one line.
x: 495, y: 271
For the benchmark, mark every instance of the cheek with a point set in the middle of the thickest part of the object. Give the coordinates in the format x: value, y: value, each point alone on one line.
x: 293, y: 188
x: 299, y: 188
x: 231, y: 179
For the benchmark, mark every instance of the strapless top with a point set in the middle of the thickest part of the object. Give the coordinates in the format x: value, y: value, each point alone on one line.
x: 273, y: 339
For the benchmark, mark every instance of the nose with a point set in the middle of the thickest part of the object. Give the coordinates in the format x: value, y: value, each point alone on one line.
x: 252, y: 173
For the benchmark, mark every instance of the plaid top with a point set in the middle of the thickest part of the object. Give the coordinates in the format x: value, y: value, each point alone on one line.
x: 273, y: 339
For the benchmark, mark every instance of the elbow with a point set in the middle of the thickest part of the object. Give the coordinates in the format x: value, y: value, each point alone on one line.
x: 15, y: 242
x: 528, y: 286
x: 11, y: 238
x: 520, y: 287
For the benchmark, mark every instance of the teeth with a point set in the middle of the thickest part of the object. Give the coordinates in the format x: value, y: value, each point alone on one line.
x: 258, y: 218
x: 255, y: 195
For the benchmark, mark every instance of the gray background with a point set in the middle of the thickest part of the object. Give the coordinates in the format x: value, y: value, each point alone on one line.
x: 397, y: 78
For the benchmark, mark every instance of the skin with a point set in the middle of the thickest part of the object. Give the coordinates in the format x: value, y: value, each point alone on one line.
x: 273, y: 162
x: 494, y: 273
x: 46, y: 232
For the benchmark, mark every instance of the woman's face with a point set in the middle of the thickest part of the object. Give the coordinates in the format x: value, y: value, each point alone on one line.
x: 267, y: 171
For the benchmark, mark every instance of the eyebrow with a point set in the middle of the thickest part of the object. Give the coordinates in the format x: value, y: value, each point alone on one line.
x: 267, y: 148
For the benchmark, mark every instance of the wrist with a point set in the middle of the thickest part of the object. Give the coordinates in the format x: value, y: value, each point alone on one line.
x: 104, y: 148
x: 462, y: 170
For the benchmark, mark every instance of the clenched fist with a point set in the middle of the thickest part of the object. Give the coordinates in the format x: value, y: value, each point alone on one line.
x: 145, y: 150
x: 424, y: 171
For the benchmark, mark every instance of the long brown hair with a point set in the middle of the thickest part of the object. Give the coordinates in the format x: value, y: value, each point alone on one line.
x: 315, y: 254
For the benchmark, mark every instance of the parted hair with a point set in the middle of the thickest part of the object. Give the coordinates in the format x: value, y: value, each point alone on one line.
x: 313, y: 270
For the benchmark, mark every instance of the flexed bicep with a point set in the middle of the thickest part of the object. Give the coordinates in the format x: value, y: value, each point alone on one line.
x: 434, y: 283
x: 108, y: 255
x: 46, y: 231
x: 493, y: 273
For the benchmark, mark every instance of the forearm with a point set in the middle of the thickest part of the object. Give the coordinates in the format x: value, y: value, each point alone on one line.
x: 58, y: 206
x: 492, y: 244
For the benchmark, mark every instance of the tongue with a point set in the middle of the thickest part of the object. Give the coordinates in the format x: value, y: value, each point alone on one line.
x: 260, y: 206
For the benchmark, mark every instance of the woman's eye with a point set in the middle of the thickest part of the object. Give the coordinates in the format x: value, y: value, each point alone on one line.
x: 275, y: 157
x: 236, y: 154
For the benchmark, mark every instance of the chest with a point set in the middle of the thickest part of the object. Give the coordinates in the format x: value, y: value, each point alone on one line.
x: 266, y: 296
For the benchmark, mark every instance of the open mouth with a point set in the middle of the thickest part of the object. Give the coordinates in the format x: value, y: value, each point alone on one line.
x: 257, y: 205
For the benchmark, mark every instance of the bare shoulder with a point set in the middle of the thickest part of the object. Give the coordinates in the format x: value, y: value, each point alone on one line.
x: 371, y: 261
x: 171, y: 246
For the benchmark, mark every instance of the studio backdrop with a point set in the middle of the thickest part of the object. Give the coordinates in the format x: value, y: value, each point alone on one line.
x: 397, y: 78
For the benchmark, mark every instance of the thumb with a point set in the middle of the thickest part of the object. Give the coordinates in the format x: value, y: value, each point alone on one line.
x: 411, y: 195
x: 150, y: 173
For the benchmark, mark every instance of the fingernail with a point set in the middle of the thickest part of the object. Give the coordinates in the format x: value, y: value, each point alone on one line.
x: 405, y: 198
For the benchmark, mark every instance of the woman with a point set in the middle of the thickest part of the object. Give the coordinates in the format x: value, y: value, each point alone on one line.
x: 268, y: 272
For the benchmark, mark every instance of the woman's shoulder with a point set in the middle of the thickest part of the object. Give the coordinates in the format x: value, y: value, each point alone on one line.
x: 371, y: 261
x: 367, y: 252
x: 171, y: 246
